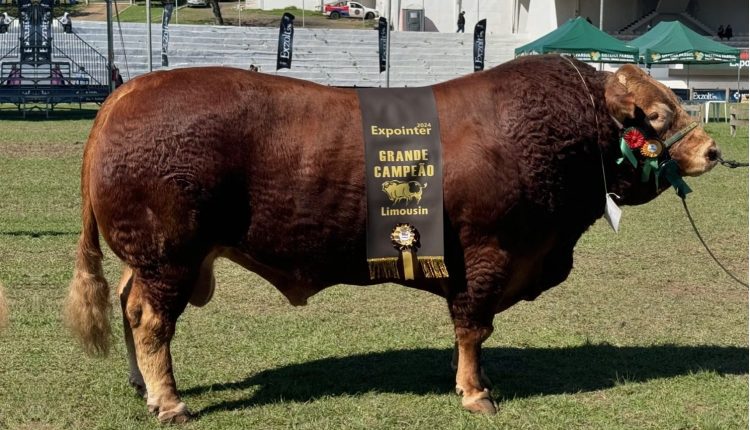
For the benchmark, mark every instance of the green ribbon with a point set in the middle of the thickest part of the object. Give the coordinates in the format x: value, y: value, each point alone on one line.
x: 670, y: 170
x: 627, y: 153
x: 650, y: 165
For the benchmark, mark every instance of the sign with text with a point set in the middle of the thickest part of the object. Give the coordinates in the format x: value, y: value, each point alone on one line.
x: 286, y: 38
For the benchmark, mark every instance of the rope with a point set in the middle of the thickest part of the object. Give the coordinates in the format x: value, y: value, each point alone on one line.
x: 731, y: 163
x: 122, y: 40
x: 684, y: 204
x: 596, y: 118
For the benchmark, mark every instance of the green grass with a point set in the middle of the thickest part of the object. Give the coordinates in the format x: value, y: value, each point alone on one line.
x: 647, y: 333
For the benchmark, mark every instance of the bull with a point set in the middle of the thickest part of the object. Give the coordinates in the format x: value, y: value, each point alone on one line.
x: 406, y: 191
x: 527, y: 147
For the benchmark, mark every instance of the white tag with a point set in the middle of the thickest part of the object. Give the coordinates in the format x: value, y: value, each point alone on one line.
x: 612, y: 213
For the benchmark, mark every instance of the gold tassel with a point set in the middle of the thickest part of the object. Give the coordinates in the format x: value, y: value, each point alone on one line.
x: 383, y: 268
x: 433, y: 267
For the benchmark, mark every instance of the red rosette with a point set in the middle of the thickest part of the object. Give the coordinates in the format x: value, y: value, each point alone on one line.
x: 634, y: 138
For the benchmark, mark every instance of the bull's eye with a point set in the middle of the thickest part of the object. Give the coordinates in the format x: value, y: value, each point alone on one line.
x: 653, y: 116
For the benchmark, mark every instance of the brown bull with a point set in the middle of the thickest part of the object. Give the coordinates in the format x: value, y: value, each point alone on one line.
x: 260, y: 179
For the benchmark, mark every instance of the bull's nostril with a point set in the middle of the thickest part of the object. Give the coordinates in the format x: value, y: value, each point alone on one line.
x: 713, y: 154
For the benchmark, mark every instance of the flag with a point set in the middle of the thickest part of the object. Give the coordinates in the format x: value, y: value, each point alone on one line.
x: 382, y: 42
x: 165, y: 17
x: 286, y: 38
x: 479, y: 33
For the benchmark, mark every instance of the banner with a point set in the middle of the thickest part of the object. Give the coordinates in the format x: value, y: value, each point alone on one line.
x: 286, y: 37
x: 479, y: 36
x: 36, y: 26
x: 165, y: 17
x: 382, y: 42
x: 404, y: 181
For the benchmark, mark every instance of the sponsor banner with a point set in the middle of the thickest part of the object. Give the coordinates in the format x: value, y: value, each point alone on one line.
x: 693, y: 57
x: 737, y: 95
x: 479, y: 44
x: 682, y: 93
x: 709, y: 95
x: 382, y: 41
x: 403, y: 176
x: 165, y: 17
x: 286, y: 38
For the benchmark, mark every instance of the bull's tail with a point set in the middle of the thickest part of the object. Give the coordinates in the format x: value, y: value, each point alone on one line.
x: 87, y: 308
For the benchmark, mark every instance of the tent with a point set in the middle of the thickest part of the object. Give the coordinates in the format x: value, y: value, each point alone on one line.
x: 579, y: 38
x: 670, y: 42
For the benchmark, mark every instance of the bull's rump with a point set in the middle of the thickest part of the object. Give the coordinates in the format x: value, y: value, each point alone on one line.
x: 195, y: 158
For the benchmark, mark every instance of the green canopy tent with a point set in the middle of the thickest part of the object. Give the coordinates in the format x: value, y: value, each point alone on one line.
x: 582, y: 40
x: 670, y: 42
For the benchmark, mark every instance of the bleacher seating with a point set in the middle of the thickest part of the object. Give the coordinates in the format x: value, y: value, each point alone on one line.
x: 327, y: 56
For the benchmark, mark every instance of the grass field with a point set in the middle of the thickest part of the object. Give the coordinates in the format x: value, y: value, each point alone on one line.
x: 647, y: 333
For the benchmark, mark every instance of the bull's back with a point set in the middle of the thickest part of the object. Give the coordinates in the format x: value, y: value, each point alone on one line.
x: 199, y: 157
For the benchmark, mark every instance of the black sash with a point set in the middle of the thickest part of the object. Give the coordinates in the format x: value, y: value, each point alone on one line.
x: 403, y: 169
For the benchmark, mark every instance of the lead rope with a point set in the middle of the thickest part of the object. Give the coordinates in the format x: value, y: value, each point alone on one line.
x: 684, y: 204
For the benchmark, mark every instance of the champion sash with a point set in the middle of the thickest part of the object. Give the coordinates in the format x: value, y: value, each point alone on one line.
x: 404, y: 180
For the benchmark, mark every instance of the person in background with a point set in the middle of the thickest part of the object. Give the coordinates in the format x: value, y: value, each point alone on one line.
x: 5, y: 22
x: 56, y: 76
x: 14, y: 77
x: 67, y: 23
x: 728, y: 32
x: 116, y: 76
x: 461, y: 22
x: 720, y: 32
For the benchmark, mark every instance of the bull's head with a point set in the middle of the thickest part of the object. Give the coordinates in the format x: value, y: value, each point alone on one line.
x: 634, y: 98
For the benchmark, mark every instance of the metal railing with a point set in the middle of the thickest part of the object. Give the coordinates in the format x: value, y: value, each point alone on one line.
x: 86, y: 61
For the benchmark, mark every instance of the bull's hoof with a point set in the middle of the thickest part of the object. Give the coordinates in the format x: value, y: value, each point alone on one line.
x: 480, y: 403
x: 177, y: 415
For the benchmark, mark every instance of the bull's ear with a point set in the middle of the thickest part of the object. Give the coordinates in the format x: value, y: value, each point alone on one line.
x: 620, y: 101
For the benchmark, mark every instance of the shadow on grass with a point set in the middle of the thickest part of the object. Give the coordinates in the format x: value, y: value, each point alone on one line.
x: 516, y: 372
x: 38, y: 113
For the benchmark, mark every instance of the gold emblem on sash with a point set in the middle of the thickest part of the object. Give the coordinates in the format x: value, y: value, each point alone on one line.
x: 405, y: 238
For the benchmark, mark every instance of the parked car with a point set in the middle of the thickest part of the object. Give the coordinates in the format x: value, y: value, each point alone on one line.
x: 349, y: 9
x: 197, y: 3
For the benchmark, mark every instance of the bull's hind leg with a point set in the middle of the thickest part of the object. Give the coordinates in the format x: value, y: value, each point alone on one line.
x: 123, y: 291
x: 153, y: 306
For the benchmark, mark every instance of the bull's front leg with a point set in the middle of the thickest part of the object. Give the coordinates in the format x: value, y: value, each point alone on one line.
x: 472, y: 310
x: 123, y: 291
x: 152, y: 308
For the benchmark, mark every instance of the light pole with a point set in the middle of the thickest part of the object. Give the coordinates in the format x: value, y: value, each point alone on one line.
x: 148, y: 32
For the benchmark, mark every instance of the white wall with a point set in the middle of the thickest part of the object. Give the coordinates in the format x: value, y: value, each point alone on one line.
x: 537, y: 17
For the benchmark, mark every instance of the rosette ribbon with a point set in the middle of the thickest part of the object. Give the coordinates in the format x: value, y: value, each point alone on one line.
x: 405, y: 238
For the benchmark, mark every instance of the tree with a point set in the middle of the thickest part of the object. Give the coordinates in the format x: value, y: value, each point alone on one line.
x: 218, y: 20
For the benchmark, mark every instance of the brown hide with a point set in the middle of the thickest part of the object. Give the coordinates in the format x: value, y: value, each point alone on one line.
x: 269, y: 170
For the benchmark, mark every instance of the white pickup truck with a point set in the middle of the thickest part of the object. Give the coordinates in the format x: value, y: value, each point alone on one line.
x: 349, y: 9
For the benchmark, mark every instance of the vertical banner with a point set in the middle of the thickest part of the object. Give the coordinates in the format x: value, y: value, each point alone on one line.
x: 479, y: 34
x: 24, y: 17
x: 165, y: 17
x: 286, y: 38
x: 382, y: 41
x: 404, y: 183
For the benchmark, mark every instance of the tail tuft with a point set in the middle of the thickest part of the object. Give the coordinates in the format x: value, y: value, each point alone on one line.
x: 88, y: 307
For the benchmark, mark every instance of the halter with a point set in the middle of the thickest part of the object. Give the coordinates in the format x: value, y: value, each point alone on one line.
x: 652, y: 149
